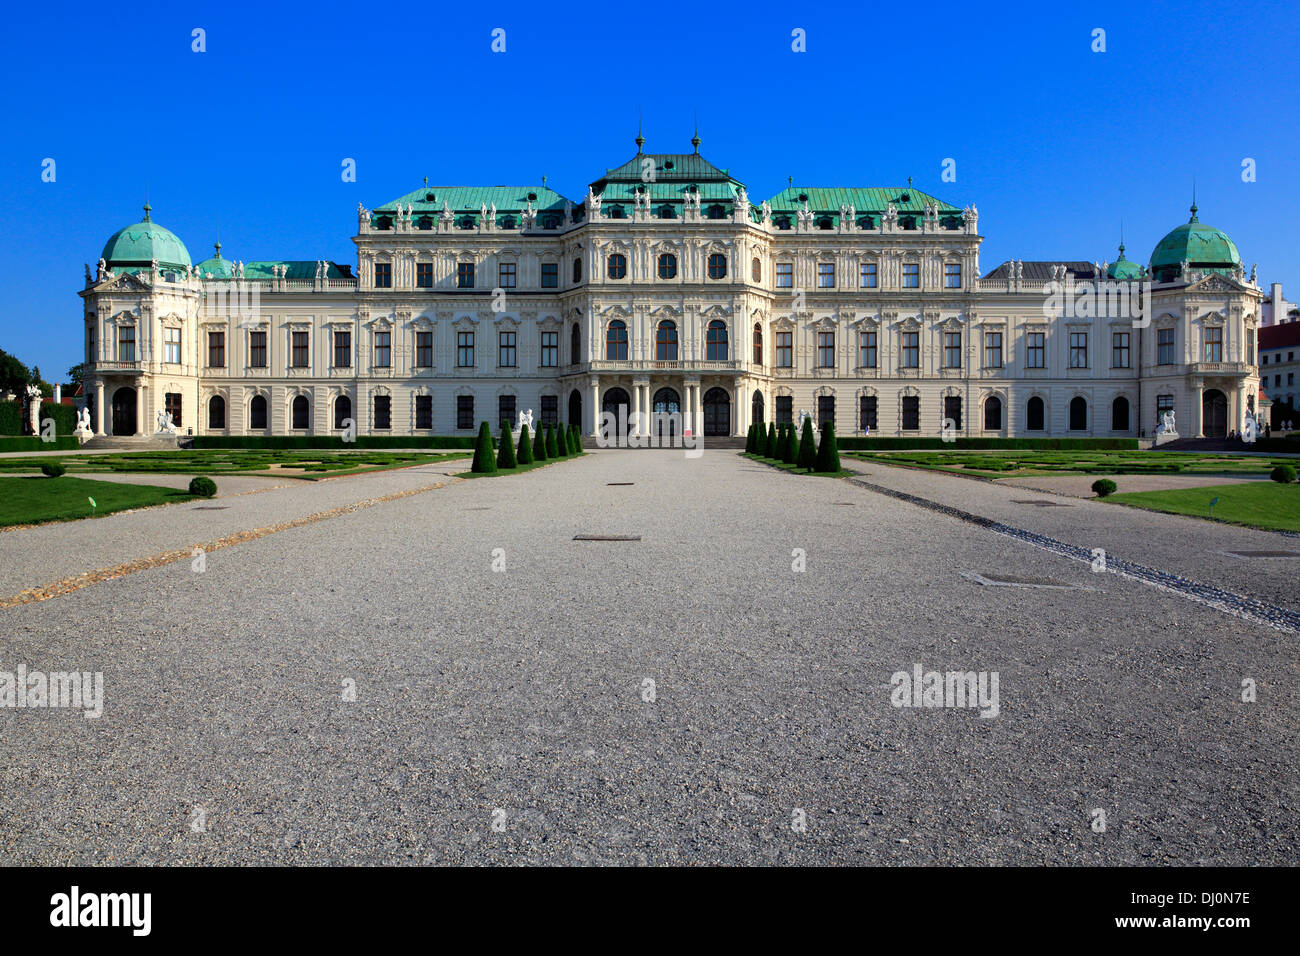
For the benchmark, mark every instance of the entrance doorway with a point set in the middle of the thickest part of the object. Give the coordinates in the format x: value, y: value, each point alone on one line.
x: 1214, y: 414
x: 124, y: 411
x: 717, y: 413
x: 667, y: 409
x: 617, y: 403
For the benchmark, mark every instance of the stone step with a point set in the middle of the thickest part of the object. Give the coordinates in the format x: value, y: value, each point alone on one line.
x: 132, y: 443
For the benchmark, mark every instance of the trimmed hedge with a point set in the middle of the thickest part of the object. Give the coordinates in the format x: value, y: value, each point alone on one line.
x: 539, y: 445
x: 203, y: 486
x: 1035, y: 444
x: 1103, y: 487
x: 807, y: 447
x: 774, y: 446
x: 506, y: 449
x: 552, y: 446
x: 524, y: 453
x: 53, y: 470
x: 11, y: 418
x: 34, y: 443
x: 1283, y: 473
x: 828, y: 455
x: 484, y: 463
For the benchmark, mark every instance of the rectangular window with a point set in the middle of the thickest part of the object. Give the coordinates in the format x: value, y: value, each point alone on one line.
x: 506, y: 412
x: 1164, y: 346
x: 785, y: 275
x: 825, y: 275
x: 383, y: 275
x: 952, y: 410
x: 952, y: 350
x: 424, y: 275
x: 1250, y: 347
x: 550, y: 410
x: 506, y: 275
x: 911, y: 350
x: 911, y: 413
x: 825, y: 349
x: 867, y: 280
x: 911, y: 275
x: 1036, y: 350
x: 464, y: 275
x: 868, y: 356
x: 299, y: 341
x: 506, y: 349
x: 257, y: 350
x: 550, y: 349
x: 342, y: 348
x: 383, y: 349
x: 867, y: 413
x: 1214, y: 344
x: 1119, y: 350
x: 464, y: 412
x: 465, y: 349
x: 216, y: 349
x: 126, y: 343
x: 825, y: 409
x: 424, y: 350
x: 952, y: 276
x: 992, y: 349
x: 1164, y: 403
x: 172, y: 404
x: 1290, y: 378
x: 550, y: 275
x: 383, y: 411
x: 424, y: 411
x: 785, y: 349
x: 172, y: 347
x: 1078, y: 350
x: 785, y: 409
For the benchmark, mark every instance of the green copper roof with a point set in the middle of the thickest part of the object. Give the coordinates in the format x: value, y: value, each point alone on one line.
x: 429, y: 199
x: 861, y: 198
x: 297, y: 269
x: 668, y: 168
x: 1123, y: 268
x: 216, y: 266
x: 138, y: 245
x: 1205, y: 248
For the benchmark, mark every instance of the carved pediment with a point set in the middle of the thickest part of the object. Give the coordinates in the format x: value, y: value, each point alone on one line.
x: 716, y: 311
x: 122, y: 282
x: 126, y: 317
x: 909, y: 324
x: 1213, y: 282
x: 616, y: 312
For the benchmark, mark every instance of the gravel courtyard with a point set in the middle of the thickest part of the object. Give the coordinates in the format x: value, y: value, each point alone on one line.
x: 688, y: 698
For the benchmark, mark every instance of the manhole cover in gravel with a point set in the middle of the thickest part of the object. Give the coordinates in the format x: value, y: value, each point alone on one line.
x: 606, y: 537
x: 478, y: 509
x: 619, y: 484
x: 1017, y: 581
x: 847, y: 504
x: 1040, y: 503
x: 1264, y: 554
x: 210, y: 508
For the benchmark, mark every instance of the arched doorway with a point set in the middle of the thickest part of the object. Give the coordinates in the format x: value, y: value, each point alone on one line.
x: 617, y: 403
x: 667, y: 409
x: 300, y: 411
x: 575, y: 404
x: 717, y: 413
x: 1119, y: 415
x: 124, y: 400
x: 342, y: 411
x: 756, y: 408
x: 1214, y: 414
x: 1078, y: 414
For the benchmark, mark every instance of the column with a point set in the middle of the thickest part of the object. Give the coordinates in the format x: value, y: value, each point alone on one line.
x: 99, y: 407
x: 139, y: 409
x: 594, y: 414
x: 633, y: 426
x: 1199, y: 411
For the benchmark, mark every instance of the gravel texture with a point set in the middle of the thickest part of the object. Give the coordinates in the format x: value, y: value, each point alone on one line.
x: 1080, y: 486
x: 524, y: 690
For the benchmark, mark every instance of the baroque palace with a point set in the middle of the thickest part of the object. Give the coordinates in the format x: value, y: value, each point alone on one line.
x: 666, y: 289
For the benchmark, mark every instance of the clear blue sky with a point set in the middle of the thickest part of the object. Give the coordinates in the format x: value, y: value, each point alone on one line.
x: 1054, y: 143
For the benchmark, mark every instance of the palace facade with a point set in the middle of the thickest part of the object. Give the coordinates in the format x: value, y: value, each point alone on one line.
x: 666, y: 289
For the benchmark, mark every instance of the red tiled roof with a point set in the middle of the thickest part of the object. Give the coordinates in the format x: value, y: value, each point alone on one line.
x: 1281, y: 336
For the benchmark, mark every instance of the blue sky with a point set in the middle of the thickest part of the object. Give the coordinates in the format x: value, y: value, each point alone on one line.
x: 1054, y: 143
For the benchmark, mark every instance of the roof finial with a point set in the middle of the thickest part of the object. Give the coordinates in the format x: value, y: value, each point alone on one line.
x: 217, y: 246
x: 640, y: 140
x: 1193, y: 219
x: 909, y: 182
x: 789, y: 181
x: 147, y: 208
x: 695, y: 140
x: 426, y: 180
x: 1121, y: 238
x: 543, y: 180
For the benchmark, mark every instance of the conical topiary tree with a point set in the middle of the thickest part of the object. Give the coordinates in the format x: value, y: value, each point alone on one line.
x: 506, y: 449
x: 758, y: 439
x: 539, y: 446
x: 807, y: 447
x: 828, y: 450
x: 790, y: 450
x: 484, y: 462
x: 525, y: 450
x: 552, y: 446
x: 575, y: 438
x: 773, y: 450
x: 749, y: 440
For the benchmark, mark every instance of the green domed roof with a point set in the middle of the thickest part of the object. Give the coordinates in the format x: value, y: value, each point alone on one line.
x: 216, y: 266
x: 135, y: 247
x: 1205, y: 248
x: 1123, y: 268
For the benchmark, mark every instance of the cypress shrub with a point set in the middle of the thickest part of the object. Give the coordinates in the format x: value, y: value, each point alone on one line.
x: 1103, y: 487
x: 828, y: 453
x: 506, y: 449
x: 552, y: 446
x: 807, y: 447
x: 758, y: 440
x: 790, y: 446
x: 539, y: 445
x: 484, y: 462
x: 52, y: 470
x: 575, y: 439
x: 1283, y: 473
x: 204, y: 487
x: 525, y: 450
x: 771, y: 448
x: 749, y: 440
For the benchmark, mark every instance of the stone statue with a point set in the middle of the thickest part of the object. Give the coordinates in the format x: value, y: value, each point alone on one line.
x: 1254, y: 272
x: 1167, y: 425
x: 83, y: 432
x: 103, y: 270
x: 526, y: 418
x: 363, y: 214
x: 165, y: 425
x: 1250, y: 430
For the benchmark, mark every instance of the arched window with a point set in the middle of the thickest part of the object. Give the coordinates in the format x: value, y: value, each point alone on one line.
x: 257, y: 412
x: 577, y: 270
x: 300, y: 410
x: 667, y: 266
x: 1078, y: 414
x: 616, y: 341
x: 716, y: 212
x: 756, y: 270
x: 758, y: 342
x: 575, y: 407
x: 715, y: 341
x: 616, y: 212
x: 666, y: 211
x: 617, y: 266
x: 575, y: 345
x: 717, y: 266
x: 666, y: 341
x: 216, y: 412
x: 1119, y: 415
x: 756, y: 407
x: 342, y: 411
x: 825, y: 222
x: 993, y: 414
x: 1034, y: 415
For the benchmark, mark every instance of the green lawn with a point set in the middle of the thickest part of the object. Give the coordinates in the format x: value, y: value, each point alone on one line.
x: 313, y: 464
x: 33, y: 500
x: 776, y: 463
x: 518, y: 469
x: 1263, y: 504
x: 1018, y: 464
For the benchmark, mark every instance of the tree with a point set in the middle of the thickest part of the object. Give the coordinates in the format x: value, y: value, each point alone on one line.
x: 749, y: 440
x: 575, y: 439
x: 807, y: 447
x: 77, y: 375
x: 484, y: 463
x: 828, y: 452
x: 525, y: 450
x: 539, y: 445
x: 772, y: 449
x: 790, y: 446
x: 14, y: 375
x: 552, y: 446
x: 506, y: 449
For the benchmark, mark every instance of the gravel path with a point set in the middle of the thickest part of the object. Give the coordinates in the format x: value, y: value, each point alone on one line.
x: 522, y: 695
